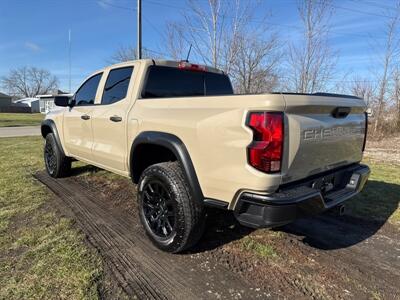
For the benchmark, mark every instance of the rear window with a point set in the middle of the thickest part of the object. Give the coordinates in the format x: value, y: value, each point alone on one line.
x: 163, y: 82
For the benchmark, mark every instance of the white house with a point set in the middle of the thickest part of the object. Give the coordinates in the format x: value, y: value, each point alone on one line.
x: 46, y: 102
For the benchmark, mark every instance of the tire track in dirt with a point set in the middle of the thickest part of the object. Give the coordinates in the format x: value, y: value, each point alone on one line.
x: 354, y: 248
x: 94, y: 223
x: 139, y: 268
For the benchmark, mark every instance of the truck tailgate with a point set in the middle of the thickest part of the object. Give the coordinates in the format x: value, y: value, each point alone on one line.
x: 321, y: 133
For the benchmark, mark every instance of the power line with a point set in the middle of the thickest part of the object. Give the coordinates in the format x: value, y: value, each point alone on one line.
x: 251, y: 21
x: 358, y: 11
x: 152, y: 26
x: 156, y: 52
x: 146, y: 20
x: 374, y: 4
x: 272, y: 23
x: 332, y: 5
x: 117, y: 6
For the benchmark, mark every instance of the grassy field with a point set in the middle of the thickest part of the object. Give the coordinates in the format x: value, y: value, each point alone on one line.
x: 381, y: 197
x: 42, y: 256
x: 11, y: 119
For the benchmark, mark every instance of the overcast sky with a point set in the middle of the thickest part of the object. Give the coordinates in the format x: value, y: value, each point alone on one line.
x: 35, y: 33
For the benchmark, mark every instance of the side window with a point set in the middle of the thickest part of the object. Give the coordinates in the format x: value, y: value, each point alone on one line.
x: 87, y: 92
x: 116, y: 85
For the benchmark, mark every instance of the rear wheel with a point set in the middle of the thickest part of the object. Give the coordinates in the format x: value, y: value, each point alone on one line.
x: 57, y: 164
x: 172, y: 219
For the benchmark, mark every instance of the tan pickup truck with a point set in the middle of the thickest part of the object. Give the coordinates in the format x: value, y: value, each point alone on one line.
x: 181, y: 134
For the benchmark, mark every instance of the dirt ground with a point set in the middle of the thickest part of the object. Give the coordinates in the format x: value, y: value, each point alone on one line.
x: 325, y: 257
x: 386, y: 150
x: 134, y: 268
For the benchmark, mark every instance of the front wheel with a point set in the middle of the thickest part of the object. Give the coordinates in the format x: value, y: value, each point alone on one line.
x: 172, y: 219
x: 57, y: 164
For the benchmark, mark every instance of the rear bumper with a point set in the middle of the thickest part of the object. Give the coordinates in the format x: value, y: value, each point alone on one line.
x: 300, y: 199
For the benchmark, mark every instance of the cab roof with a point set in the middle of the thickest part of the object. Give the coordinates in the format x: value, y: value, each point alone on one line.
x: 162, y: 62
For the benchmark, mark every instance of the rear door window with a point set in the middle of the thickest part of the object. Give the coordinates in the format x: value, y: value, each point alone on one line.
x: 116, y: 85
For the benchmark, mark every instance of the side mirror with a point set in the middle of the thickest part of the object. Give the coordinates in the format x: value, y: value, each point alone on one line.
x: 62, y: 101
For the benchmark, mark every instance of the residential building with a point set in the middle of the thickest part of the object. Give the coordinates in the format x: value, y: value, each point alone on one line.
x: 46, y: 102
x: 32, y: 103
x: 5, y: 100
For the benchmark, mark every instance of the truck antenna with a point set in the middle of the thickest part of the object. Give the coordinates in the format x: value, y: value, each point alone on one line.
x: 187, y: 57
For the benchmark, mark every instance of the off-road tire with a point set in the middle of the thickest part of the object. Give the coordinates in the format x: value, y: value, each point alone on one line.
x: 57, y: 164
x: 189, y: 213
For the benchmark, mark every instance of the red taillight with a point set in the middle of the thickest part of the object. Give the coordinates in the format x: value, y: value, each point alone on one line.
x: 265, y: 152
x: 191, y: 67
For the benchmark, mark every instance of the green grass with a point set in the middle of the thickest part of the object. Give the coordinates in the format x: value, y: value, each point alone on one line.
x: 42, y: 256
x: 260, y: 249
x: 376, y: 296
x: 14, y: 119
x: 381, y: 196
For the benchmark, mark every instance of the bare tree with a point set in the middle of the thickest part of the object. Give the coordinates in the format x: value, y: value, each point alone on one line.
x: 311, y: 63
x: 255, y: 66
x: 211, y: 29
x: 224, y: 35
x: 123, y: 54
x: 364, y: 89
x: 396, y: 96
x: 389, y: 57
x: 29, y: 82
x: 175, y: 43
x: 127, y: 53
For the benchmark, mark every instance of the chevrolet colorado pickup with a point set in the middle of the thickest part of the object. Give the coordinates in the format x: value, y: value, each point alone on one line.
x: 179, y: 132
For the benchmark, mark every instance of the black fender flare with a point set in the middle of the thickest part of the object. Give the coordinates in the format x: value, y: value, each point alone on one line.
x: 178, y: 148
x: 48, y: 126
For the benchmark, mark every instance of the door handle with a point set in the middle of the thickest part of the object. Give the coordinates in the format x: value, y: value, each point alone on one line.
x: 116, y: 119
x: 85, y: 117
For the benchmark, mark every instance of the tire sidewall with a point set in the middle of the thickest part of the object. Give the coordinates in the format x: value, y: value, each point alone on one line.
x: 51, y: 141
x: 171, y: 244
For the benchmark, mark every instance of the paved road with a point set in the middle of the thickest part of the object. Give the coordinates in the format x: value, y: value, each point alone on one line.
x: 19, y: 131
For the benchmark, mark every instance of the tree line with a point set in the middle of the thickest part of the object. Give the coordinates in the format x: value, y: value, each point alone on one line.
x: 229, y: 36
x: 232, y: 36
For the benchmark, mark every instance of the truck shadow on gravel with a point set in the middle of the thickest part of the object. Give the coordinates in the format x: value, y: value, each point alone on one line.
x: 221, y: 228
x: 365, y: 215
x: 328, y: 231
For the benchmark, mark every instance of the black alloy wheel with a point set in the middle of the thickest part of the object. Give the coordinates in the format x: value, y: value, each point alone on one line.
x: 158, y: 209
x: 50, y: 158
x: 57, y: 164
x: 171, y: 218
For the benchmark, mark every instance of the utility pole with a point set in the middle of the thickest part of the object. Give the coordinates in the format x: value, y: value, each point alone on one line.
x: 139, y: 29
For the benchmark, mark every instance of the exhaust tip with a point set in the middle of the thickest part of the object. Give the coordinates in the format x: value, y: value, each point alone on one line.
x: 339, y: 210
x: 342, y: 210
